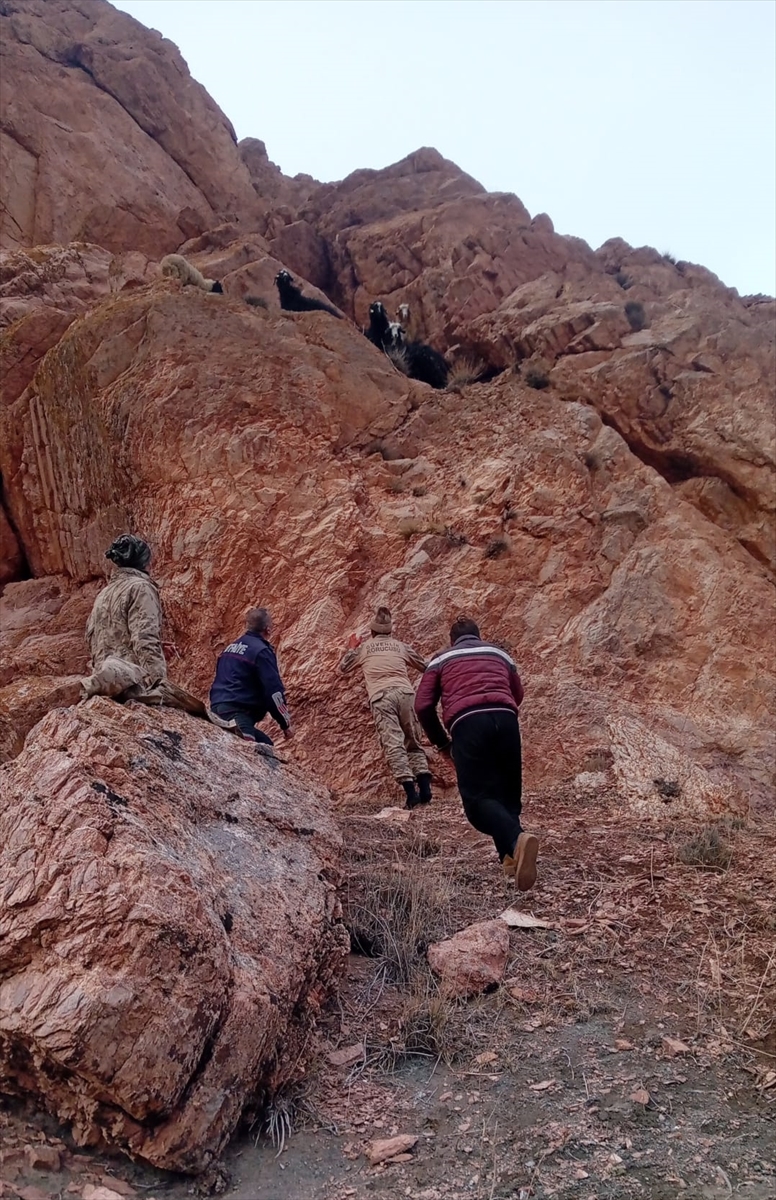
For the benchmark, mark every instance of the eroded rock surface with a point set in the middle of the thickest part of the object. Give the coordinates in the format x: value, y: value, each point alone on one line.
x: 169, y: 927
x: 279, y: 457
x: 81, y: 78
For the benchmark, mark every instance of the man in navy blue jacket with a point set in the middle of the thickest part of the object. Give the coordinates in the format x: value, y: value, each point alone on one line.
x: 247, y: 685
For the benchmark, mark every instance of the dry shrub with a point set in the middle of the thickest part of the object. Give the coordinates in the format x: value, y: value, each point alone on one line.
x: 536, y: 377
x: 430, y: 1025
x: 637, y: 318
x: 408, y: 526
x: 466, y: 369
x: 453, y: 538
x: 623, y: 280
x: 396, y: 484
x: 256, y: 301
x: 707, y: 849
x: 597, y: 760
x: 497, y: 547
x: 395, y: 910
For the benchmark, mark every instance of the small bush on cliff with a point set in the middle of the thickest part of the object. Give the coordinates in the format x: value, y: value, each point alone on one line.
x: 409, y: 526
x: 536, y: 377
x: 497, y: 547
x: 465, y: 370
x: 637, y: 318
x: 623, y: 280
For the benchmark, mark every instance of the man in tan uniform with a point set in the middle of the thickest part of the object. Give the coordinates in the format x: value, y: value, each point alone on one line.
x: 124, y: 630
x: 384, y: 661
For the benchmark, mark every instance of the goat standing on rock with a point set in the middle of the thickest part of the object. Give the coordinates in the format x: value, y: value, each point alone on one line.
x: 414, y: 359
x: 292, y: 300
x: 175, y: 266
x: 381, y: 332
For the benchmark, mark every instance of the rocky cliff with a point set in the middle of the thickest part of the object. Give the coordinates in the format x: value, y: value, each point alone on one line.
x: 604, y: 503
x: 596, y: 486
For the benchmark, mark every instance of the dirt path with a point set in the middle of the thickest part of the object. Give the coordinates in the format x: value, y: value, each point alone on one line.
x: 631, y: 1051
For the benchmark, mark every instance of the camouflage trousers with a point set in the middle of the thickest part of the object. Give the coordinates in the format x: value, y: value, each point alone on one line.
x: 399, y: 733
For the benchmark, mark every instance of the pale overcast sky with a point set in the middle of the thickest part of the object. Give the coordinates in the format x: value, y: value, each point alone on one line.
x: 652, y: 120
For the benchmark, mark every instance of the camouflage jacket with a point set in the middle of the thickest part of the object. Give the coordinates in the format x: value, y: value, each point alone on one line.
x: 126, y: 622
x: 384, y: 661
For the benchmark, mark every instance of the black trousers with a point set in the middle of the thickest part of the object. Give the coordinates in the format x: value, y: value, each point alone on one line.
x: 488, y: 762
x: 245, y: 719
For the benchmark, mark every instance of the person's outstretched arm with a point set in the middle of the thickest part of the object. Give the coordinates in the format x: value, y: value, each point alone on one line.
x: 414, y: 659
x: 428, y: 696
x: 351, y: 659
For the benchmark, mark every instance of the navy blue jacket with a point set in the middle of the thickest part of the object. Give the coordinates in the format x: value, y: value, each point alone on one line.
x: 247, y: 676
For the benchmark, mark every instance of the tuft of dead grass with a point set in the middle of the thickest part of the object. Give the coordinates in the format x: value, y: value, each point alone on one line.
x: 394, y: 910
x: 707, y: 849
x: 497, y: 547
x: 465, y: 370
x: 409, y: 526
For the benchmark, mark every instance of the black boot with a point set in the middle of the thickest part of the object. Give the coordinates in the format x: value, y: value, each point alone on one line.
x: 412, y: 794
x: 424, y: 788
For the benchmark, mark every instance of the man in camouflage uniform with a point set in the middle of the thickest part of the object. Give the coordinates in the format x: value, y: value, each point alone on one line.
x: 384, y: 661
x: 124, y: 630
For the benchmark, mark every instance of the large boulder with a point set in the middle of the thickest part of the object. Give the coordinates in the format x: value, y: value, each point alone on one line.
x: 169, y: 927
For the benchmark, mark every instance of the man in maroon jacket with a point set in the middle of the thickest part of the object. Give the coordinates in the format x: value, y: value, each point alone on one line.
x: 481, y: 692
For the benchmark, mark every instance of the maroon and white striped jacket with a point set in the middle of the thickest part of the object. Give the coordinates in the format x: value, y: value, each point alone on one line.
x: 469, y: 676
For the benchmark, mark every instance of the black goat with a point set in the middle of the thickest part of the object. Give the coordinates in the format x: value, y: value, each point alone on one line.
x: 292, y: 300
x: 419, y: 361
x: 381, y: 332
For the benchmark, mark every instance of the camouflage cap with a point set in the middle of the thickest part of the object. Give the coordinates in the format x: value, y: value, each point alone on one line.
x: 129, y: 551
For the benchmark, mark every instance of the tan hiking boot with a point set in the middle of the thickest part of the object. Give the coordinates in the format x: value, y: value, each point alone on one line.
x: 524, y: 861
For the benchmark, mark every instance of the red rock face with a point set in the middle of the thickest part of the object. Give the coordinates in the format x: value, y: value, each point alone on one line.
x: 79, y: 80
x: 169, y: 927
x: 281, y: 459
x: 603, y: 505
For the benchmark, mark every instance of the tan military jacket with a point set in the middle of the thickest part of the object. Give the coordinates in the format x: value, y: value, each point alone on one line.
x: 384, y: 661
x: 126, y: 623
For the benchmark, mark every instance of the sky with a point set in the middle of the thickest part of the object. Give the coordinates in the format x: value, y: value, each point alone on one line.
x: 651, y: 120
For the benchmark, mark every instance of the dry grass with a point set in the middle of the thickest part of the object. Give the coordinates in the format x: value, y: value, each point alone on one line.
x: 396, y: 485
x: 497, y: 547
x: 707, y: 849
x: 465, y: 370
x: 536, y: 377
x: 409, y: 526
x: 637, y: 318
x: 394, y: 910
